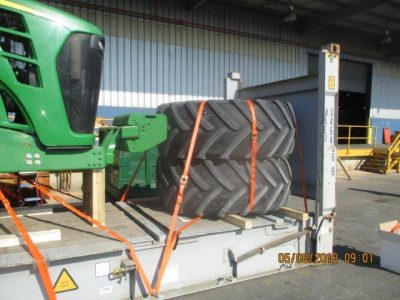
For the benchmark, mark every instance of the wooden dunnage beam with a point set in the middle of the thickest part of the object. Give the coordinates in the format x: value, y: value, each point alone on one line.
x: 94, y: 194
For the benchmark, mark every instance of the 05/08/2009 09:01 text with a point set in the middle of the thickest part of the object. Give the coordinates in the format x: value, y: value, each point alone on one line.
x: 325, y: 258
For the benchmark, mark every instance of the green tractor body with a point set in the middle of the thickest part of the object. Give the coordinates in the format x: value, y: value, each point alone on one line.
x: 51, y: 65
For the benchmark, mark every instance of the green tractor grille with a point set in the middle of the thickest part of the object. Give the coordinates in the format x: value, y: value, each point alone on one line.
x: 12, y: 21
x: 13, y: 41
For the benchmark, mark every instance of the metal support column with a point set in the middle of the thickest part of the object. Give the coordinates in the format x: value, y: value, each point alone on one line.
x: 328, y: 93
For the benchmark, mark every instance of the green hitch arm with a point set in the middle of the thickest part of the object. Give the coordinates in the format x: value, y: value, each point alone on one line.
x: 133, y: 133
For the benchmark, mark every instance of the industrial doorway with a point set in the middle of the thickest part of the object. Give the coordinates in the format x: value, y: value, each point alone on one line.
x: 354, y: 98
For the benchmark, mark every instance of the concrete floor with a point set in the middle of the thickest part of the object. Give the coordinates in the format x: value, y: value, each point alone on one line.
x: 363, y: 203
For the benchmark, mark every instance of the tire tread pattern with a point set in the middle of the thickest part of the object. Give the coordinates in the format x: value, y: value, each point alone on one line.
x: 217, y: 188
x: 225, y: 129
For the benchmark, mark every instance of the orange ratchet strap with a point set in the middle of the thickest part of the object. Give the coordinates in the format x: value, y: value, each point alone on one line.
x: 33, y: 250
x: 176, y: 233
x: 254, y: 149
x: 395, y: 228
x: 128, y: 187
x: 10, y: 194
x: 301, y: 168
x: 172, y: 234
x: 102, y: 227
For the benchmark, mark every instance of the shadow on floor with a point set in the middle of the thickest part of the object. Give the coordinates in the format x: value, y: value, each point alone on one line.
x: 375, y: 192
x: 57, y: 224
x: 355, y: 257
x: 5, y: 229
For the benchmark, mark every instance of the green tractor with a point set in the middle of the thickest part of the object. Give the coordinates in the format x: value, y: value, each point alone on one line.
x: 51, y: 65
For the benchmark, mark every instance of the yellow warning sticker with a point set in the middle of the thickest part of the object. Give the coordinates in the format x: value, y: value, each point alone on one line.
x: 331, y: 82
x: 65, y: 282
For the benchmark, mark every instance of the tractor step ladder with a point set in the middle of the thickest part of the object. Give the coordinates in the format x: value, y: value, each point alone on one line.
x: 385, y: 159
x: 26, y: 191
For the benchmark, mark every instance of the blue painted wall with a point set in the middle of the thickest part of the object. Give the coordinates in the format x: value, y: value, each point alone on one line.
x: 381, y: 123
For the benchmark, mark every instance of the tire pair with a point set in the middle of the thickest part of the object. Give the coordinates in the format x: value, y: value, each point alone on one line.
x: 219, y: 175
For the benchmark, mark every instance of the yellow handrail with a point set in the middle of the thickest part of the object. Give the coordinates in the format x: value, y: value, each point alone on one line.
x: 394, y: 147
x: 395, y: 143
x: 371, y: 135
x: 391, y: 162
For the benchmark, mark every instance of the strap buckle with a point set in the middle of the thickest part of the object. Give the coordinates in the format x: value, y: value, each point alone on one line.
x: 184, y: 180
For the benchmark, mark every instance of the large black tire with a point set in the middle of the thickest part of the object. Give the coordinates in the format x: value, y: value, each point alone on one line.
x: 217, y: 188
x: 225, y: 130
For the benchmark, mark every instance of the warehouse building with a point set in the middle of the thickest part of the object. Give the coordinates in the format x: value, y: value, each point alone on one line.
x: 164, y: 51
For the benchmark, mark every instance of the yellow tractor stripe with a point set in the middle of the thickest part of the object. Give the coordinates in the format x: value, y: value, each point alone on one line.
x: 20, y: 7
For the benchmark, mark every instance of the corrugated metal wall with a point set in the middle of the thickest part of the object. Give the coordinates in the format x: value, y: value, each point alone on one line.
x: 172, y: 58
x: 385, y: 98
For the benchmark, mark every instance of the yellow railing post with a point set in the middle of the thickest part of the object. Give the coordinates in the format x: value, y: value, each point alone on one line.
x: 371, y: 135
x: 369, y: 132
x: 389, y: 160
x: 348, y: 140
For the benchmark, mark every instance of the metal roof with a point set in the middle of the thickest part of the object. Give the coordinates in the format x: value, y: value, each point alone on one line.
x: 365, y: 17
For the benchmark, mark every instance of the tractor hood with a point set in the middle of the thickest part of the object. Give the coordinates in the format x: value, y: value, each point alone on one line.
x: 51, y: 66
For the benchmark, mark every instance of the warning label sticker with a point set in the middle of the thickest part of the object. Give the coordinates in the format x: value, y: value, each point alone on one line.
x: 65, y: 282
x: 331, y: 82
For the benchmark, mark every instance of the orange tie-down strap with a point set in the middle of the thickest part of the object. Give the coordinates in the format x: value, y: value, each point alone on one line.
x: 15, y: 196
x: 301, y: 167
x: 395, y: 228
x: 104, y: 228
x: 128, y: 187
x: 174, y: 234
x: 33, y: 250
x: 254, y: 149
